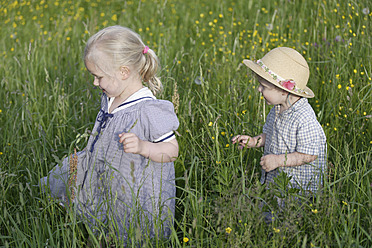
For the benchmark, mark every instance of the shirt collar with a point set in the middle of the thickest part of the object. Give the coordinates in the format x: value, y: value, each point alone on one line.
x: 141, y: 95
x: 297, y: 105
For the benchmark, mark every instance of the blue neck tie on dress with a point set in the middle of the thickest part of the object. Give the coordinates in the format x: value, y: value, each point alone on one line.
x: 102, y: 119
x: 104, y: 116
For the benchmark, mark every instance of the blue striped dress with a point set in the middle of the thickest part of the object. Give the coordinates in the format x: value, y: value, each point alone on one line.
x: 122, y: 191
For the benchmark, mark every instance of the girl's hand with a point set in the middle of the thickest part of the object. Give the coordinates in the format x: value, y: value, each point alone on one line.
x: 131, y: 143
x: 243, y: 141
x: 161, y: 152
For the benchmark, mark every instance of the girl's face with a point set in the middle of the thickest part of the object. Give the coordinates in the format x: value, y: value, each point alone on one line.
x: 109, y: 82
x: 272, y: 94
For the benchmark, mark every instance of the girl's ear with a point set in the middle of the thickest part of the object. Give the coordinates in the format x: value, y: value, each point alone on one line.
x: 124, y: 72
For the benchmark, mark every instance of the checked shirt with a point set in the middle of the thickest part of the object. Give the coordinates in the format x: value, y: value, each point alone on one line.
x: 296, y: 130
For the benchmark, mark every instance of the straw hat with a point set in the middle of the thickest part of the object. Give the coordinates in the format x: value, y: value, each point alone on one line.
x: 285, y: 68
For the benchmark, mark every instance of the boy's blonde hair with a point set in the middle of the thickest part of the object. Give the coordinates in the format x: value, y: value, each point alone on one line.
x: 124, y: 47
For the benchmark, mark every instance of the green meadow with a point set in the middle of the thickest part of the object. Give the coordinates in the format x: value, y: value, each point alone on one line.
x: 48, y: 106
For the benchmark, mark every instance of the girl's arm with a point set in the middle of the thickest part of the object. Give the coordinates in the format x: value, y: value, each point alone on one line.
x: 271, y: 161
x: 161, y: 152
x: 249, y: 142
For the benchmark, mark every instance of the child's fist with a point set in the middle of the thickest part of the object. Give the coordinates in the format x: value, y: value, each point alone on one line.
x: 269, y: 162
x: 131, y: 143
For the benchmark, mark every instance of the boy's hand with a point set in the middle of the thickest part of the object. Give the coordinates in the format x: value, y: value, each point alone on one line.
x: 270, y: 162
x: 243, y: 140
x: 131, y: 143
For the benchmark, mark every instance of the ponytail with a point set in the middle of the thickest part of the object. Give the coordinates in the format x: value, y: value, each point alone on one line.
x: 149, y: 70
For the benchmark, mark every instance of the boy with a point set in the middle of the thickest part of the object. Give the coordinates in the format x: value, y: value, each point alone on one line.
x: 293, y: 139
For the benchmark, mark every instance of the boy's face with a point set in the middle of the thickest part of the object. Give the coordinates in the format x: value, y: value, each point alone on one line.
x: 272, y: 94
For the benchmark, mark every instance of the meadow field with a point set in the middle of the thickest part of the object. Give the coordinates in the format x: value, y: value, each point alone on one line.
x: 48, y: 105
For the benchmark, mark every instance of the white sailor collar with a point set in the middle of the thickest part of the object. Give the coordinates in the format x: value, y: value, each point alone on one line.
x: 143, y: 94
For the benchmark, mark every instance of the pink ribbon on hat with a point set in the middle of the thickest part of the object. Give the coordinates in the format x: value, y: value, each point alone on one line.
x: 288, y: 84
x: 145, y: 50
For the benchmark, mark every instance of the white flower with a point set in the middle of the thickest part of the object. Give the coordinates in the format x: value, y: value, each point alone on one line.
x: 199, y: 80
x: 269, y: 26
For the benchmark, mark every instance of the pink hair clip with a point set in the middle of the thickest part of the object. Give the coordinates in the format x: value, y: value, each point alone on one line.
x: 145, y: 50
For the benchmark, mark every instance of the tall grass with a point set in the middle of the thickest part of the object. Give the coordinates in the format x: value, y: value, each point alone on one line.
x: 48, y: 103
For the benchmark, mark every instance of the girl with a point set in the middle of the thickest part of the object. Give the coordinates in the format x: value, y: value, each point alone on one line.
x: 125, y: 175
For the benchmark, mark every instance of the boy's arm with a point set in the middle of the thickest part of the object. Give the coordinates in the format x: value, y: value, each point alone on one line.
x: 161, y: 152
x: 271, y: 161
x: 249, y: 142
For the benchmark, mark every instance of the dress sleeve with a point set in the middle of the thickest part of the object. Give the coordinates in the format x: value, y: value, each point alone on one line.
x: 159, y: 120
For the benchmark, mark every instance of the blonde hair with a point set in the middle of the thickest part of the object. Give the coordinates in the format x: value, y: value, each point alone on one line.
x: 124, y: 47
